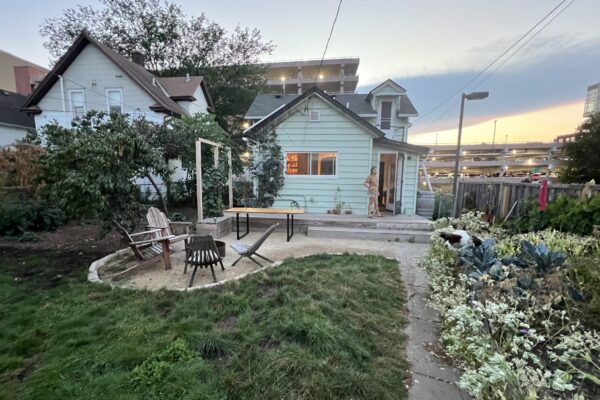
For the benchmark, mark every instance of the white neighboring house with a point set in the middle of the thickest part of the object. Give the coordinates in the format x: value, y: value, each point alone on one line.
x: 14, y: 123
x: 92, y: 76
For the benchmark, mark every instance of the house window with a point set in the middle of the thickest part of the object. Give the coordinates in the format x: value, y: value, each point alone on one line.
x: 77, y: 101
x: 386, y: 115
x: 115, y: 101
x: 314, y: 115
x: 311, y: 164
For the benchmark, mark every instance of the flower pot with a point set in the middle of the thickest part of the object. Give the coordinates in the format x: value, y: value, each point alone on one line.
x: 221, y: 247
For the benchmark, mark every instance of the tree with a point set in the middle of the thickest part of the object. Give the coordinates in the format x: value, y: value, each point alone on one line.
x: 89, y: 170
x: 583, y: 154
x: 173, y: 44
x: 176, y: 139
x: 267, y: 168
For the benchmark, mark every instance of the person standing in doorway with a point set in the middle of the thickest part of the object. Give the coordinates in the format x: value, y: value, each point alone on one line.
x: 371, y: 184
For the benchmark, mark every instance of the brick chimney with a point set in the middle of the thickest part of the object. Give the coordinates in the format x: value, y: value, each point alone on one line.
x: 138, y: 58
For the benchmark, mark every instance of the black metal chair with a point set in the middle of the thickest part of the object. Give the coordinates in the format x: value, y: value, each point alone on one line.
x: 201, y: 251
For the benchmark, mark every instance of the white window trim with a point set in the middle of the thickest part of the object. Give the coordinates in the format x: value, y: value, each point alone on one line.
x: 108, y: 98
x: 318, y: 115
x: 70, y: 93
x: 392, y: 114
x: 337, y: 155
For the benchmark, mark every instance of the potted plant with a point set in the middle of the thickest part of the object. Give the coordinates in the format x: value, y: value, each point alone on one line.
x: 339, y: 204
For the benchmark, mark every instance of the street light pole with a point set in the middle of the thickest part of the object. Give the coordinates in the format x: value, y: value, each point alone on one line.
x: 494, y: 138
x: 470, y: 96
x: 457, y: 158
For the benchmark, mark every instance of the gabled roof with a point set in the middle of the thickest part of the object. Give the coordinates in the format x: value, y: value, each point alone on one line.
x: 146, y: 80
x: 265, y: 103
x: 387, y: 82
x: 10, y: 106
x: 183, y: 88
x: 406, y: 108
x: 275, y: 117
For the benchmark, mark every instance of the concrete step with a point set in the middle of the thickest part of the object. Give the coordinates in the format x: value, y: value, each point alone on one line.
x: 403, y: 235
x: 301, y: 224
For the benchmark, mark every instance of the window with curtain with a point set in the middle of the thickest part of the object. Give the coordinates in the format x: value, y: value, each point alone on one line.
x: 115, y: 101
x: 311, y: 164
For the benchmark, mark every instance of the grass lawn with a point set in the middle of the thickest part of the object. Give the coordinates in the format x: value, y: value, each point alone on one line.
x: 323, y: 327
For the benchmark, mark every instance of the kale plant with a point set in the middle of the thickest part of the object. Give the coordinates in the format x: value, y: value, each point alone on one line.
x: 538, y: 256
x: 481, y: 260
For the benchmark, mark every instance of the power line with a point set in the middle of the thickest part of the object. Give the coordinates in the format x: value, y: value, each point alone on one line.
x: 337, y: 13
x: 328, y: 39
x: 493, y: 62
x: 453, y: 106
x: 524, y: 44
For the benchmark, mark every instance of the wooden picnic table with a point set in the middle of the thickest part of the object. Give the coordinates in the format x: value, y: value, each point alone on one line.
x: 289, y: 212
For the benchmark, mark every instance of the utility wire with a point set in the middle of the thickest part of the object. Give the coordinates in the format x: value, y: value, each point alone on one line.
x: 453, y: 106
x: 337, y: 13
x: 328, y: 39
x: 524, y: 44
x: 492, y: 63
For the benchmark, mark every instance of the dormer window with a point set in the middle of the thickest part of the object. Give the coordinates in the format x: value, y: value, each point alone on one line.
x: 385, y: 122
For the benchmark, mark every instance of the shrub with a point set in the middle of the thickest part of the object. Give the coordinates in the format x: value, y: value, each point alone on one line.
x: 565, y: 214
x: 21, y: 217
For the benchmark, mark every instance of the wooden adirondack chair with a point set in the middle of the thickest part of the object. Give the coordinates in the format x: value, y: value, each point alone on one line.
x: 148, y: 245
x: 158, y: 220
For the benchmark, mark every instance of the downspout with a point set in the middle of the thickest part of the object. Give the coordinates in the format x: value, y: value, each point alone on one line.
x: 62, y: 96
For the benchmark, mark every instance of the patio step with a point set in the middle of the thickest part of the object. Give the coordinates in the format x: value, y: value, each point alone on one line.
x: 403, y: 235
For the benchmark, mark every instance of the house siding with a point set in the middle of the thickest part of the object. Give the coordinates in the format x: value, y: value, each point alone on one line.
x: 334, y: 132
x: 199, y: 106
x: 409, y: 195
x: 93, y: 66
x: 9, y: 134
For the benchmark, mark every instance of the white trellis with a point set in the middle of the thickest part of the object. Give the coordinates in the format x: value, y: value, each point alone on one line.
x: 216, y: 148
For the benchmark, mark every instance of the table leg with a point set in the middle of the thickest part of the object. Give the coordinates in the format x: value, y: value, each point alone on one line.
x: 290, y: 232
x: 237, y: 221
x: 166, y: 254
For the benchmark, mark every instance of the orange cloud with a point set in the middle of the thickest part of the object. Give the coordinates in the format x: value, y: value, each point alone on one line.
x: 538, y: 125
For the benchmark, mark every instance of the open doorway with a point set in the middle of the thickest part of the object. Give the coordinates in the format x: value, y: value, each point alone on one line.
x: 388, y: 168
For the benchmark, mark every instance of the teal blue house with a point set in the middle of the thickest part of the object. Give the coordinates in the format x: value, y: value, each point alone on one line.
x: 330, y: 142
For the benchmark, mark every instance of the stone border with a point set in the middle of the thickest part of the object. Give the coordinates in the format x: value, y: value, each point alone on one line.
x: 219, y: 283
x: 101, y: 263
x: 97, y: 265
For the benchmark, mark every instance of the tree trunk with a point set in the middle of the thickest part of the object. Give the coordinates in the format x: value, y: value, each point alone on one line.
x: 158, y: 193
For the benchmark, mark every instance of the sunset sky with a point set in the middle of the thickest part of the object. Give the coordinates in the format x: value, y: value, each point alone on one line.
x: 430, y: 47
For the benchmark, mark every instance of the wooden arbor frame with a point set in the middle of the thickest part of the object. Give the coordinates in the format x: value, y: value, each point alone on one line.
x: 216, y: 148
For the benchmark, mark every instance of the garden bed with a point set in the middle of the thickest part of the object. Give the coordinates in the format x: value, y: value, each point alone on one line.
x: 519, y: 313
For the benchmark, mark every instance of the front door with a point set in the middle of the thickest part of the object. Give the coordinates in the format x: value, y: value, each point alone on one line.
x: 388, y: 167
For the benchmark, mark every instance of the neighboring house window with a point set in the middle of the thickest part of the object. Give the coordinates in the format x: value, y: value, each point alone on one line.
x: 115, y: 101
x: 77, y: 101
x: 314, y: 115
x: 386, y: 115
x: 319, y: 164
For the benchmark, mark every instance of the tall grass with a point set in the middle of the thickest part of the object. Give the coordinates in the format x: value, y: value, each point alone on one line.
x: 323, y: 327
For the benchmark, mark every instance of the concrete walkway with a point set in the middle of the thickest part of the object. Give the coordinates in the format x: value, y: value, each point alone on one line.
x: 432, y: 377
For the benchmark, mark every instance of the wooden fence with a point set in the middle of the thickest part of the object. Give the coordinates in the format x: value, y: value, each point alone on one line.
x: 499, y: 198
